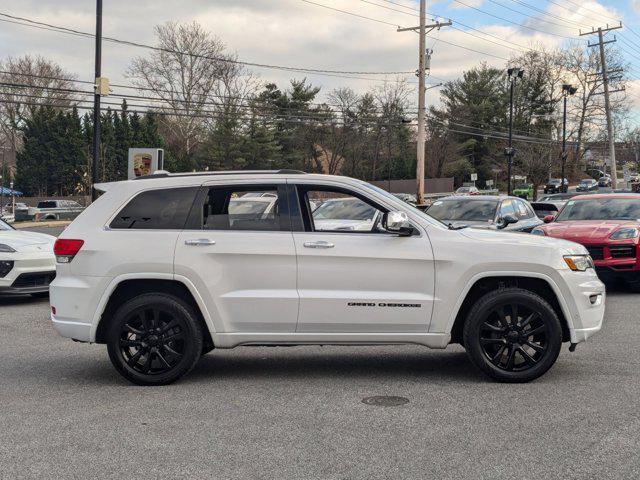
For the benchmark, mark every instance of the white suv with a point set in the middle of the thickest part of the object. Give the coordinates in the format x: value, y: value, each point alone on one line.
x: 165, y: 268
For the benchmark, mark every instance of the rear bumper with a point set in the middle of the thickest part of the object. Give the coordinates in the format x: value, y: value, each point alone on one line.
x: 75, y: 300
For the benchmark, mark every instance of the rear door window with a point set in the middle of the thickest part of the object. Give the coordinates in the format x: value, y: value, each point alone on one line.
x: 47, y: 204
x: 244, y: 207
x: 162, y: 209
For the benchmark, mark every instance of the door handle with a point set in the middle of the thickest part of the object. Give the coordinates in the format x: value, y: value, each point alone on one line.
x: 320, y: 244
x: 200, y: 242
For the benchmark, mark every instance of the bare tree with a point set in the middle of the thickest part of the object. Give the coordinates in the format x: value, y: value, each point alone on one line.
x: 586, y: 112
x: 26, y: 83
x: 187, y: 73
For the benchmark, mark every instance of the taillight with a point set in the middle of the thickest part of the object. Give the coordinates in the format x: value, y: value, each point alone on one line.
x: 66, y: 249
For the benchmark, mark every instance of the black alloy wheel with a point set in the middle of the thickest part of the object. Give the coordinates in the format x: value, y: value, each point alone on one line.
x: 513, y: 335
x: 154, y: 339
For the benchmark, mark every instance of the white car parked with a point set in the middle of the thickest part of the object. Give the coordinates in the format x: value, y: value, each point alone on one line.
x: 164, y: 269
x: 27, y: 263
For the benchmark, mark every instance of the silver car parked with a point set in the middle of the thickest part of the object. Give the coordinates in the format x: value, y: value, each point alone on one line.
x: 57, y: 210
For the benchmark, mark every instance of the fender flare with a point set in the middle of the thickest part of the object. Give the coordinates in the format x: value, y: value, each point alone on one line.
x: 507, y: 273
x: 113, y: 284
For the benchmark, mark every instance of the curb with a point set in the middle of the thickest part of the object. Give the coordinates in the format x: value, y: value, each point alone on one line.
x: 51, y: 224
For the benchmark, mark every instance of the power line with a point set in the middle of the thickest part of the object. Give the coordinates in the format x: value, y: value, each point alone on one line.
x: 495, y: 2
x: 511, y: 21
x: 451, y: 26
x: 206, y: 57
x: 583, y: 7
x: 158, y: 99
x: 364, y: 17
x: 296, y: 119
x: 394, y: 25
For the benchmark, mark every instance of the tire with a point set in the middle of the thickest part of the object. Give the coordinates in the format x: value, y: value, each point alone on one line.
x: 500, y: 347
x: 154, y: 339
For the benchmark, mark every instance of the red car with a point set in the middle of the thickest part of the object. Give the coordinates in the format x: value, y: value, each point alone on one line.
x: 608, y: 225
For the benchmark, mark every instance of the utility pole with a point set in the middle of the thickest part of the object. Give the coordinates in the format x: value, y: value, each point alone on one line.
x: 509, y: 152
x: 422, y: 30
x: 566, y: 91
x: 607, y: 104
x: 100, y: 86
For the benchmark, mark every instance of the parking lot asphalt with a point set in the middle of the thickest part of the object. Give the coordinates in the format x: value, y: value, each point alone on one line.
x: 297, y: 412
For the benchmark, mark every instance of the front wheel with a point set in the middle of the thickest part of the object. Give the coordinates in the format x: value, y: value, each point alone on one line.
x: 512, y: 335
x: 154, y: 339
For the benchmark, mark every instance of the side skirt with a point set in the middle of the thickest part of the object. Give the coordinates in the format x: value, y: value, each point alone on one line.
x: 231, y: 340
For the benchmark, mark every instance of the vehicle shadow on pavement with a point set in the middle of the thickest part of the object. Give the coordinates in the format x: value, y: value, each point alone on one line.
x: 21, y: 300
x: 347, y: 364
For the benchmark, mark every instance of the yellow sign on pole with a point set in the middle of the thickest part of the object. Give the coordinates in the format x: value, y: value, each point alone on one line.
x: 102, y: 86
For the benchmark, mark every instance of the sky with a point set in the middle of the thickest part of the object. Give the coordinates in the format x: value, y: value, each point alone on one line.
x: 303, y: 33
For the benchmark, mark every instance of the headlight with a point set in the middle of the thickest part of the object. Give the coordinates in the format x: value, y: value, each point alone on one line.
x: 624, y: 233
x: 578, y: 263
x: 6, y: 248
x: 538, y: 231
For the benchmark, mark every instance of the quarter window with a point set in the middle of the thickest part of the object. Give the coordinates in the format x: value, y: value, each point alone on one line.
x: 163, y: 209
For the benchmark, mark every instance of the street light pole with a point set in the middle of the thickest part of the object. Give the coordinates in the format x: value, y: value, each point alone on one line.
x: 566, y: 91
x: 2, y: 186
x: 95, y: 178
x: 509, y: 152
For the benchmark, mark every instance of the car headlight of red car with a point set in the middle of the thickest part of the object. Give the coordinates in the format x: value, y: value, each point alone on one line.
x: 624, y: 234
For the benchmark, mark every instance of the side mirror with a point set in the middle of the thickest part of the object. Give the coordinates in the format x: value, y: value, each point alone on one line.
x: 548, y: 218
x: 506, y: 221
x: 397, y: 222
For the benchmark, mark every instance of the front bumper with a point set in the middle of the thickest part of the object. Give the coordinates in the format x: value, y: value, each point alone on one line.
x: 31, y: 273
x: 612, y: 274
x: 585, y: 303
x: 612, y: 268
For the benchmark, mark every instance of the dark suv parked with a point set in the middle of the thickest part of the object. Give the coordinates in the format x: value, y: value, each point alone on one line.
x: 554, y: 185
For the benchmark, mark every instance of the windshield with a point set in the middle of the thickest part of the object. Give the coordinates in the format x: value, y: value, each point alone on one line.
x: 601, y: 209
x: 344, y: 210
x: 554, y: 181
x: 454, y: 210
x: 587, y: 182
x: 464, y: 190
x: 5, y: 226
x: 244, y: 207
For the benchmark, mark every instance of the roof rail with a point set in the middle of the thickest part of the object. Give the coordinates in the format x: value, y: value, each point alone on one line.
x: 227, y: 172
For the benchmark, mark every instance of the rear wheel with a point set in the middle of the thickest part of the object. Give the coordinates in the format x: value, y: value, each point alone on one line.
x: 154, y: 339
x: 512, y: 335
